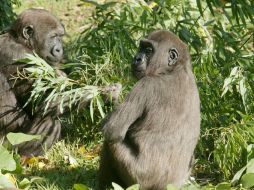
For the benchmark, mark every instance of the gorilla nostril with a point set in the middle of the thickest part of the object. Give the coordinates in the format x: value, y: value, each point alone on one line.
x: 57, y: 52
x: 138, y: 60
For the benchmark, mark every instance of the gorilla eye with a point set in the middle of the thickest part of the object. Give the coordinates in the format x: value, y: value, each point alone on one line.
x: 149, y: 50
x: 54, y: 36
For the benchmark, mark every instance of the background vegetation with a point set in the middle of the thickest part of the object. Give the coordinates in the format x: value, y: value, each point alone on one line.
x: 102, y: 37
x: 6, y: 13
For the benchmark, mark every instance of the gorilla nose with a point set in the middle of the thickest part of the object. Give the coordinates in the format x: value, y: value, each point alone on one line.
x: 138, y: 59
x: 57, y: 51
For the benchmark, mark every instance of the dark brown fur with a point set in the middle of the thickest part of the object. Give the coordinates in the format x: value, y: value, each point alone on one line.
x: 41, y: 27
x: 150, y: 138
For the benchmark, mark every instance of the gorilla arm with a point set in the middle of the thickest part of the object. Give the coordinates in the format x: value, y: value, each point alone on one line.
x: 11, y: 116
x: 14, y: 118
x: 126, y: 114
x: 121, y: 120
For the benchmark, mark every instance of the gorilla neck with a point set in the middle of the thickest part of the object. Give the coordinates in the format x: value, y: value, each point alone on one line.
x: 13, y: 51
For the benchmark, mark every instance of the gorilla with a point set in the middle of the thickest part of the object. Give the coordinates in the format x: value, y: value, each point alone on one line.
x: 35, y: 30
x: 150, y: 138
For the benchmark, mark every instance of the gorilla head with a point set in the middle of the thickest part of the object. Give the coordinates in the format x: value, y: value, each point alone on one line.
x: 40, y: 31
x: 159, y: 53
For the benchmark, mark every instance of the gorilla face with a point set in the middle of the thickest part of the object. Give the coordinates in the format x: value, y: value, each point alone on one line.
x: 142, y: 58
x: 154, y: 60
x: 52, y: 50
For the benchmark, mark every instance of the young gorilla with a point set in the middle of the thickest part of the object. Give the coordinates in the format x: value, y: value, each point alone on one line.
x: 34, y: 30
x: 150, y: 138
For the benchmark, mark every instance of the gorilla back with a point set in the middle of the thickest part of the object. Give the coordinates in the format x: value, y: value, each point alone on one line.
x: 150, y: 138
x: 34, y: 30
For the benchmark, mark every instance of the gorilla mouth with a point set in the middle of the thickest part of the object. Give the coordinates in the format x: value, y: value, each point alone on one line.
x: 52, y: 59
x: 138, y: 70
x: 138, y: 73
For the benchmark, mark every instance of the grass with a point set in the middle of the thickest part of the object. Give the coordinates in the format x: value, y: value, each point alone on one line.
x: 63, y: 166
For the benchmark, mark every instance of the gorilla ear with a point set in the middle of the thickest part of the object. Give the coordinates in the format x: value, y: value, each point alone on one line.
x: 173, y: 56
x: 28, y: 32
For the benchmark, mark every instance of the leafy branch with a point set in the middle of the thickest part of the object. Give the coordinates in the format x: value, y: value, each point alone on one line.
x: 58, y: 88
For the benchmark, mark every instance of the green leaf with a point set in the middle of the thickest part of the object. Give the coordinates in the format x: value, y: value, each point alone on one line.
x: 5, y: 182
x: 133, y: 187
x: 24, y: 183
x: 227, y: 82
x: 79, y: 186
x: 248, y: 180
x: 6, y: 160
x: 100, y: 108
x: 223, y: 186
x: 234, y: 71
x: 238, y: 175
x: 250, y: 166
x: 190, y: 186
x: 37, y: 179
x: 199, y: 7
x: 19, y: 168
x: 208, y: 187
x: 242, y: 87
x: 34, y: 70
x: 171, y: 187
x: 92, y: 110
x: 210, y: 6
x: 17, y: 138
x: 116, y: 186
x: 250, y: 147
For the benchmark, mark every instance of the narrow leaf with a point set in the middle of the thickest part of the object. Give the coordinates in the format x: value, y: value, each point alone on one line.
x: 91, y: 110
x: 100, y: 108
x: 238, y: 175
x: 200, y: 7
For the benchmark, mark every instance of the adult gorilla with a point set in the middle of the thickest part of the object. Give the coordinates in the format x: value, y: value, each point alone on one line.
x: 34, y: 30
